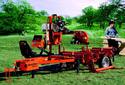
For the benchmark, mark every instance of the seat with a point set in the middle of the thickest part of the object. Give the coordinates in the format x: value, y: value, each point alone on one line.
x: 25, y: 49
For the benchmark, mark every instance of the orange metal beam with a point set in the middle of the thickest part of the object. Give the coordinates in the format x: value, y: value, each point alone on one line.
x: 105, y: 68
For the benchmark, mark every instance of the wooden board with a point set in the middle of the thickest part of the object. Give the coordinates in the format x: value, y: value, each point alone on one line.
x: 122, y: 52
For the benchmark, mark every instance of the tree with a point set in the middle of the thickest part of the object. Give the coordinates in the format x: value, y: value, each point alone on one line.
x: 68, y: 19
x: 88, y: 16
x: 42, y: 13
x: 119, y: 13
x: 115, y: 10
x: 105, y: 13
x: 17, y: 17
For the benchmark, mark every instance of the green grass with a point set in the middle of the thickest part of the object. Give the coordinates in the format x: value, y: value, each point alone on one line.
x: 9, y: 52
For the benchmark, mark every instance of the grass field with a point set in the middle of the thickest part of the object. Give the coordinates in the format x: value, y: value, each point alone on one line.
x: 9, y: 52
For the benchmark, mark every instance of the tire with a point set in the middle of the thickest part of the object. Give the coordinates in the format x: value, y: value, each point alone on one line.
x: 104, y: 61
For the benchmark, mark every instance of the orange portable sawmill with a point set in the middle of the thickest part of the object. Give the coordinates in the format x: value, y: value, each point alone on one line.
x: 72, y: 60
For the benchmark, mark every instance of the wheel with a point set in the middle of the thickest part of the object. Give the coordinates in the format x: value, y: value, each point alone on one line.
x: 105, y: 61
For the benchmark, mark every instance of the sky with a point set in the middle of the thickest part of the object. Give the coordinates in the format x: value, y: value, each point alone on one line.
x: 64, y: 7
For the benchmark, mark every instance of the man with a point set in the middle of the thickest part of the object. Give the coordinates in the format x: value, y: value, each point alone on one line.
x: 110, y: 33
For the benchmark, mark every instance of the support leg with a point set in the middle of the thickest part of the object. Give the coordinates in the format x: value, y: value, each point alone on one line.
x: 33, y: 73
x: 77, y: 65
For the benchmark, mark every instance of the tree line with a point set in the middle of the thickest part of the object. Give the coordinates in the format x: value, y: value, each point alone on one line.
x: 19, y: 17
x: 115, y: 10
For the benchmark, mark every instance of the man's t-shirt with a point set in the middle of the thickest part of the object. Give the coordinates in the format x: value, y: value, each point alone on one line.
x: 111, y: 32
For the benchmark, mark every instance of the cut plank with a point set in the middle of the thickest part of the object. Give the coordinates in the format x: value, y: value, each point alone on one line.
x: 122, y: 52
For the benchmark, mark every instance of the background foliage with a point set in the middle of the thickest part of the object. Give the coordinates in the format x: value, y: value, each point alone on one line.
x: 19, y: 17
x: 115, y: 10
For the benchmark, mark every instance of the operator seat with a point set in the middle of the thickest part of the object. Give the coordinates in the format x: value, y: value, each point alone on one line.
x: 26, y: 51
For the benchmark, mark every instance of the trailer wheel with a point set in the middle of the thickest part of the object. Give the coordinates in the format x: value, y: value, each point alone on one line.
x: 105, y: 61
